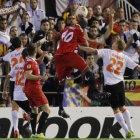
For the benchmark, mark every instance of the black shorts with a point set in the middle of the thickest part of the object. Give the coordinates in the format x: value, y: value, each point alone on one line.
x: 24, y: 105
x: 12, y: 85
x: 117, y: 97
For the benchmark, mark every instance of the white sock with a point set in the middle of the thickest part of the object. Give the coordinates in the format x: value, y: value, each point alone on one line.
x: 126, y: 116
x: 15, y: 119
x: 120, y: 120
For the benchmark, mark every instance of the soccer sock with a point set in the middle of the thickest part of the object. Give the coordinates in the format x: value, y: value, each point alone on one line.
x: 121, y: 121
x: 126, y: 116
x: 33, y: 122
x: 60, y: 96
x: 42, y: 121
x: 92, y: 84
x: 15, y: 118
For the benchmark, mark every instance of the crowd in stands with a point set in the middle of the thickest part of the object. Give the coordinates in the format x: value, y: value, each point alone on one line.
x: 104, y: 26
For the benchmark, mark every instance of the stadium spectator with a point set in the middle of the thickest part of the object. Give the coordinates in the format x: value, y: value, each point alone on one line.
x: 36, y: 14
x: 42, y: 33
x: 26, y: 26
x: 132, y: 37
x: 119, y: 14
x: 136, y: 16
x: 71, y: 20
x: 60, y: 25
x: 106, y: 15
x: 15, y: 19
x: 4, y: 40
x: 24, y: 39
x: 71, y: 9
x: 13, y: 33
x: 52, y: 23
x: 94, y: 31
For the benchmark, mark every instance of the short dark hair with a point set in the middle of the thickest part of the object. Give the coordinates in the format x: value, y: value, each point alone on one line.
x: 16, y: 42
x: 94, y: 27
x: 44, y: 20
x: 15, y: 2
x: 25, y: 53
x: 88, y: 54
x: 95, y: 19
x: 134, y: 13
x: 82, y: 22
x: 2, y: 18
x: 31, y: 50
x: 36, y: 0
x: 133, y: 20
x: 23, y: 34
x: 24, y: 14
x: 122, y: 21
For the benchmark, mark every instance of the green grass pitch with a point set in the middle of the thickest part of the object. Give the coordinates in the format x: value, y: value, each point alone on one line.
x: 70, y: 139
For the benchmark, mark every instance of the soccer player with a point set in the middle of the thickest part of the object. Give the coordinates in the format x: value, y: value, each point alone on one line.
x: 114, y: 64
x: 17, y: 73
x: 14, y: 58
x: 66, y: 59
x: 36, y: 97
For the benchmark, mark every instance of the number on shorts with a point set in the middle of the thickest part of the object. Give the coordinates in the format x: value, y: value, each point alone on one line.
x: 19, y: 78
x: 110, y: 66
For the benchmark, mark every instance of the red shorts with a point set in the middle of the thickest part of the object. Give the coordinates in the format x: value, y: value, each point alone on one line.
x: 35, y: 96
x: 66, y: 62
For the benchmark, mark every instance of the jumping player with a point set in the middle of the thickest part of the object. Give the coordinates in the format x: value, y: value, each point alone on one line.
x: 66, y: 59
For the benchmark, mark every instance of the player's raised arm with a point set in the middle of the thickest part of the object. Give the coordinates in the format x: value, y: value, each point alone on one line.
x: 88, y: 49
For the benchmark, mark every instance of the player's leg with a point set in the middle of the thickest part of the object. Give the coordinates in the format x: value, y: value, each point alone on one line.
x: 78, y: 62
x: 119, y: 117
x: 14, y: 112
x: 127, y: 118
x: 43, y: 119
x: 115, y: 104
x: 60, y: 92
x: 33, y: 120
x: 26, y: 110
x: 61, y: 74
x: 125, y: 112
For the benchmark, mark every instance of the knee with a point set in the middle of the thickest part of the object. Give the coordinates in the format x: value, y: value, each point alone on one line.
x: 14, y: 105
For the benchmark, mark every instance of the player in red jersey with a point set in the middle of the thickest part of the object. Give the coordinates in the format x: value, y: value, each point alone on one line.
x: 66, y: 59
x: 34, y: 93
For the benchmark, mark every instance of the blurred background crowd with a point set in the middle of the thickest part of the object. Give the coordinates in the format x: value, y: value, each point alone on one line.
x: 105, y: 24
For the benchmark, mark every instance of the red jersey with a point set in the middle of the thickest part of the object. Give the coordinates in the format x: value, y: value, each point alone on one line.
x: 31, y: 64
x: 71, y: 37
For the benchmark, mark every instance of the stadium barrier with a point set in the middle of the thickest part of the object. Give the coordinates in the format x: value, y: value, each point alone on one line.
x: 91, y: 122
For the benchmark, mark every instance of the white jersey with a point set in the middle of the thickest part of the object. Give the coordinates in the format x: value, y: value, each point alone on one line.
x: 114, y: 65
x: 14, y: 57
x: 18, y: 75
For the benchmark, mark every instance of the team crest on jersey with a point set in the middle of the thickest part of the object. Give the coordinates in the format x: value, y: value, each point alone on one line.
x: 29, y: 66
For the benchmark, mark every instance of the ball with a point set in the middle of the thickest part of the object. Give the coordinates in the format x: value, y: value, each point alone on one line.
x: 81, y: 12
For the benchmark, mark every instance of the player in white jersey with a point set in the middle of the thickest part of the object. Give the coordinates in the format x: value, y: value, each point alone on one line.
x: 114, y: 64
x: 14, y: 58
